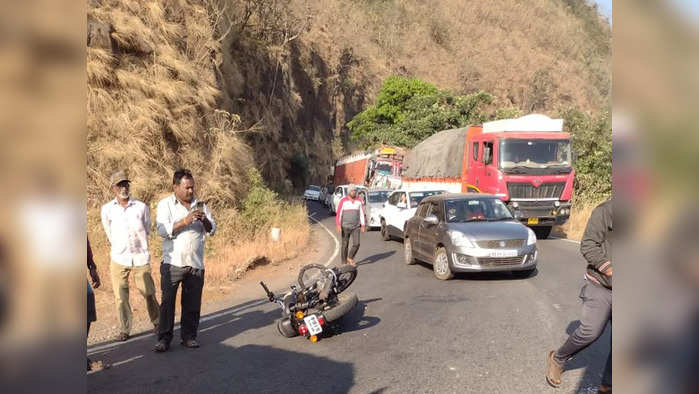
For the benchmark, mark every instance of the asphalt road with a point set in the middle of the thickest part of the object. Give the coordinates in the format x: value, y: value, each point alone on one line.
x: 410, y: 333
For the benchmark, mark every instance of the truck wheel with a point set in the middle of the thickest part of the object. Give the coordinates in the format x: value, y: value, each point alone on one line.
x: 441, y: 265
x: 384, y: 231
x: 408, y: 252
x: 542, y: 232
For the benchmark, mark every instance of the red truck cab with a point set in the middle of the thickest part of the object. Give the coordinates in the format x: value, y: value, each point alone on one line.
x: 527, y: 162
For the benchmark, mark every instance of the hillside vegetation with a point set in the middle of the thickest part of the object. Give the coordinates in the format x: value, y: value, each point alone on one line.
x: 223, y: 85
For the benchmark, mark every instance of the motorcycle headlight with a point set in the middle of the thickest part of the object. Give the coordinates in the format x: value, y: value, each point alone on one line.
x: 531, y: 239
x: 459, y: 240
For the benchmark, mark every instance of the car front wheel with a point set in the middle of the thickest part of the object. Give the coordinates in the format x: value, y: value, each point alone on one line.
x: 441, y: 268
x: 384, y: 231
x: 408, y: 255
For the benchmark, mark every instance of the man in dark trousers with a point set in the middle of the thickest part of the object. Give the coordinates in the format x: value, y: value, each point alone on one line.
x: 349, y: 220
x: 596, y: 295
x: 182, y: 222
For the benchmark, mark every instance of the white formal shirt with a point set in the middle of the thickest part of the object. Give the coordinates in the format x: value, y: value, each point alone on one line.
x: 127, y: 229
x: 186, y: 247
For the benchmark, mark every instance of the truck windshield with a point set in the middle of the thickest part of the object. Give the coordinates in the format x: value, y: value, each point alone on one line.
x: 534, y: 153
x: 384, y: 168
x: 482, y: 209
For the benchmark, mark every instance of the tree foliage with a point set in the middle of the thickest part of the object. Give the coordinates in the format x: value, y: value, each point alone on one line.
x: 592, y: 146
x: 409, y: 110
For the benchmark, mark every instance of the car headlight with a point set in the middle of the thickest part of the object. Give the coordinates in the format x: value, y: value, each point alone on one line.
x: 531, y: 240
x: 459, y: 240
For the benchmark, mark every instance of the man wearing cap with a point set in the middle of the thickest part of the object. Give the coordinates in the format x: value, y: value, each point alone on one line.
x: 127, y: 224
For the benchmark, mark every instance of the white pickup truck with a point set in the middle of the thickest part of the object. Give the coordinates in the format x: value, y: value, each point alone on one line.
x: 401, y: 206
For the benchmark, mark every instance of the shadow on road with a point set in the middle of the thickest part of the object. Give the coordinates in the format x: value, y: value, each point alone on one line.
x: 357, y: 319
x: 377, y: 257
x: 487, y: 276
x: 220, y: 366
x: 592, y: 359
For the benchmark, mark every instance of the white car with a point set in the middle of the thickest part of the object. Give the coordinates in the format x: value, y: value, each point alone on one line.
x: 374, y: 206
x: 340, y: 192
x: 312, y: 193
x: 400, y: 207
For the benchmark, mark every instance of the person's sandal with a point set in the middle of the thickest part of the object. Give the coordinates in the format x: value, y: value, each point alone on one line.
x: 190, y: 343
x: 161, y: 347
x: 553, y: 371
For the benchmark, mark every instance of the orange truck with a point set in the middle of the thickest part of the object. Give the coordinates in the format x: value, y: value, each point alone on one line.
x: 380, y: 168
x: 526, y: 161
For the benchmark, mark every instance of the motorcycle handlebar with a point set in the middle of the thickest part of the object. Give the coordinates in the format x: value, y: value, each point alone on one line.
x: 270, y: 295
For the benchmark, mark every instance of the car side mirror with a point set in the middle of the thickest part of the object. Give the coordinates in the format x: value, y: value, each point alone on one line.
x: 431, y: 220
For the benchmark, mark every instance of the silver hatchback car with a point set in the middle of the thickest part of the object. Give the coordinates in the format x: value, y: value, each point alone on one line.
x: 469, y: 233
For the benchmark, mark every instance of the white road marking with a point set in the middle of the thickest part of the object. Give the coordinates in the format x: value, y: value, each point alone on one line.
x: 116, y: 364
x: 566, y: 239
x: 337, y: 242
x: 109, y: 346
x: 217, y: 325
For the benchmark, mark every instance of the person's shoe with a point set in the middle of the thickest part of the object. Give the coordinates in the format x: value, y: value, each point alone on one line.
x: 190, y: 343
x: 122, y: 337
x: 553, y: 370
x: 161, y: 347
x: 603, y: 388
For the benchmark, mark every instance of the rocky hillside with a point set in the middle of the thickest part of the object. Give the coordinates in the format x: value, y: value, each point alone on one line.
x: 221, y: 85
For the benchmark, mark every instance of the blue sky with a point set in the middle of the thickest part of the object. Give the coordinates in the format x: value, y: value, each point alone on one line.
x: 605, y: 8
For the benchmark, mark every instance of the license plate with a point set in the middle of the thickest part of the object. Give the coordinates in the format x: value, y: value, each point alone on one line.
x: 313, y: 325
x: 533, y: 221
x: 503, y: 253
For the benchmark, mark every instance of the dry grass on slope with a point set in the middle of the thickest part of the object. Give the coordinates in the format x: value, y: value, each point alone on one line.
x: 151, y: 103
x: 536, y: 54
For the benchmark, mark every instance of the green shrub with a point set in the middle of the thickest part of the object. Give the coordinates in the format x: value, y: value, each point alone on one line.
x: 262, y: 206
x: 591, y: 138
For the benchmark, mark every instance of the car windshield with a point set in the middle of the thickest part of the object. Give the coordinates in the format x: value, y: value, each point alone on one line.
x: 313, y: 188
x: 534, y: 153
x: 416, y: 197
x: 378, y: 197
x: 481, y: 209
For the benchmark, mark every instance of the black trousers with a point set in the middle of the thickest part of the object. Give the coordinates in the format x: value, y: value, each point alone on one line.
x: 192, y: 280
x: 348, y: 233
x: 597, y: 311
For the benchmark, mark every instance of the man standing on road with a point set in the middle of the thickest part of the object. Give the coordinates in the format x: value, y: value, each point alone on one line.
x: 350, y: 218
x: 596, y: 295
x: 91, y: 309
x: 183, y: 222
x: 127, y: 224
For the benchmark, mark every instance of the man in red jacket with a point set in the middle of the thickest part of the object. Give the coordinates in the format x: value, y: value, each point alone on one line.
x: 349, y: 220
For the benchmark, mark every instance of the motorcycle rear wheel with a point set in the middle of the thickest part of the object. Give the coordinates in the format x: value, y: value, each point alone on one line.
x: 345, y: 303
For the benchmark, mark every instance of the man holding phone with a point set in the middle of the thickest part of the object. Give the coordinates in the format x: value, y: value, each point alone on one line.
x: 182, y: 222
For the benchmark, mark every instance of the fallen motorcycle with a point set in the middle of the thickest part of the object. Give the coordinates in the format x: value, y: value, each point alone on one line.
x: 316, y: 304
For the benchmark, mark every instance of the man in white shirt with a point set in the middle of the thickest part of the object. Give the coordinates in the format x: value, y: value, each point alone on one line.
x: 127, y: 224
x: 182, y: 222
